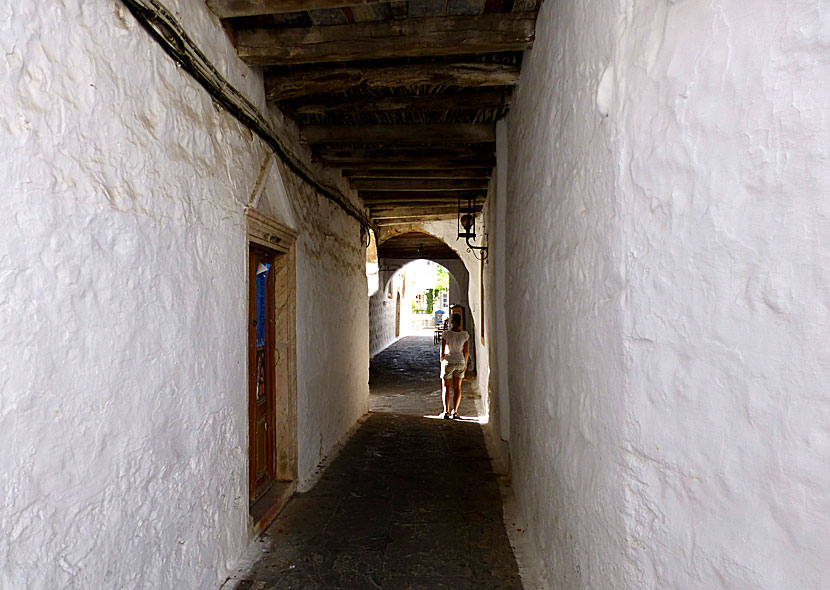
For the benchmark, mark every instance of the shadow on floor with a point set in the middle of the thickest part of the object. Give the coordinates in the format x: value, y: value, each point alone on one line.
x: 409, y: 503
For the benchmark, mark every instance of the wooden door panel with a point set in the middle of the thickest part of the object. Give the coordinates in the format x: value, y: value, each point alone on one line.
x: 261, y: 389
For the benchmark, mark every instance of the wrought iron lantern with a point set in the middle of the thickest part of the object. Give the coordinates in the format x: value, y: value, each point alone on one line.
x: 467, y: 224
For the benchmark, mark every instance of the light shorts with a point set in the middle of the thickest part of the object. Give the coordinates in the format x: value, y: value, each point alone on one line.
x: 450, y: 369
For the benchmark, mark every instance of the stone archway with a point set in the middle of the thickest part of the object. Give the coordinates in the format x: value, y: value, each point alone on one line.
x: 396, y: 251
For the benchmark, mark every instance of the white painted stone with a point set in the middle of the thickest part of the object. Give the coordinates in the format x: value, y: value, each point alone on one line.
x: 500, y: 312
x: 382, y: 311
x: 332, y: 324
x: 669, y: 386
x: 123, y: 409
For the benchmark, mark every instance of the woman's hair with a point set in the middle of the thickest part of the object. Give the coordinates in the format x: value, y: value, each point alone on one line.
x: 456, y: 320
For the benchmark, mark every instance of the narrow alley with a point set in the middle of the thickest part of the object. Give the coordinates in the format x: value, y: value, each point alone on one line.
x: 231, y: 230
x: 411, y: 501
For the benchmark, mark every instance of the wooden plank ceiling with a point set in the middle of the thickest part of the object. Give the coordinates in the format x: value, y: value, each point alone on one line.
x: 402, y: 96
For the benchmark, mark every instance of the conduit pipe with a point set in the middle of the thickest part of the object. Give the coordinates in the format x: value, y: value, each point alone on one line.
x: 168, y: 32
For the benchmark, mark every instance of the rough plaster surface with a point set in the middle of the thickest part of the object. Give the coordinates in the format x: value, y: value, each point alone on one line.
x: 123, y: 409
x: 562, y: 286
x: 332, y: 323
x: 381, y: 322
x: 669, y: 387
x: 382, y: 310
x: 499, y: 312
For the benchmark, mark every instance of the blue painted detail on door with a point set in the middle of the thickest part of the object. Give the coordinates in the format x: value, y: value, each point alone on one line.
x: 261, y: 305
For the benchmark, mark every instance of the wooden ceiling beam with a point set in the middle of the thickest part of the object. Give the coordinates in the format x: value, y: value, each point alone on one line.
x: 235, y: 8
x: 407, y: 219
x: 282, y: 85
x: 419, y: 184
x: 475, y: 100
x: 399, y: 134
x: 373, y: 205
x: 391, y: 196
x: 416, y: 212
x: 406, y: 156
x: 413, y: 37
x: 379, y: 198
x: 449, y: 174
x: 426, y: 208
x: 437, y: 163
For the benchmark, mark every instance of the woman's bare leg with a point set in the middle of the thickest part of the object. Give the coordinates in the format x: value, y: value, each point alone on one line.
x: 456, y: 386
x: 447, y: 397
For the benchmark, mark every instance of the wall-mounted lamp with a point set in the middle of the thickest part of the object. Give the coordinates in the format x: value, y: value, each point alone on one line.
x: 467, y: 225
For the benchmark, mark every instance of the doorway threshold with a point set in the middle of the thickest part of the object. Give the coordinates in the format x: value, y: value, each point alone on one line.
x: 265, y: 510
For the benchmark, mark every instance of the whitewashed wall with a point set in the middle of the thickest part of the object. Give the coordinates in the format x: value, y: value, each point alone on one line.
x: 123, y: 430
x: 381, y: 322
x: 332, y: 323
x: 382, y: 311
x: 669, y: 395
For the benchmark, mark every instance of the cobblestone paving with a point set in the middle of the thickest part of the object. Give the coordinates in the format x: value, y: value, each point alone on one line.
x: 410, y: 502
x: 404, y: 379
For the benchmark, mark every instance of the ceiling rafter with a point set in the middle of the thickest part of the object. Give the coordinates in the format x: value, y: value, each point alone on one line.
x: 449, y: 174
x: 282, y: 85
x: 402, y: 97
x: 419, y: 184
x: 405, y: 156
x: 419, y: 37
x: 398, y: 134
x: 239, y: 8
x: 473, y: 100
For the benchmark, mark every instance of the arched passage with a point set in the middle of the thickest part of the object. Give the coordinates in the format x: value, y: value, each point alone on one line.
x: 394, y: 253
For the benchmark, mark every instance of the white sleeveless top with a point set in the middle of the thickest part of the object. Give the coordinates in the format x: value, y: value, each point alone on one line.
x: 454, y: 345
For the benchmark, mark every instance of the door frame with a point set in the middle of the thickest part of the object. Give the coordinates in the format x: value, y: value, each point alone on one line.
x: 266, y: 233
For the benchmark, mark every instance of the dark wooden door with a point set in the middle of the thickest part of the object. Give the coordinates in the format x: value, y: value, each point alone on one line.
x: 261, y: 393
x: 398, y: 315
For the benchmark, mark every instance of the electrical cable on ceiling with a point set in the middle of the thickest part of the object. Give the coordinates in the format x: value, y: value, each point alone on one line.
x: 168, y: 32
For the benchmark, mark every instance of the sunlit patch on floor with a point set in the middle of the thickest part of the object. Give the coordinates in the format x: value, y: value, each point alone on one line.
x: 476, y: 419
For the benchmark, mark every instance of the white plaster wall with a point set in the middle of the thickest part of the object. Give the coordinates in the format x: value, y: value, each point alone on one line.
x: 381, y: 322
x: 382, y: 310
x: 668, y: 393
x: 332, y: 324
x: 123, y: 428
x: 498, y: 310
x: 724, y: 193
x: 562, y: 287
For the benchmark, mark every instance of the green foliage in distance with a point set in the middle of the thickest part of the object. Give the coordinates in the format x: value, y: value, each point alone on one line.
x: 443, y: 281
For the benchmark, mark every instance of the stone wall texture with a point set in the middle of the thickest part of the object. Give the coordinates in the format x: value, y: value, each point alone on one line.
x: 666, y: 249
x: 382, y: 312
x: 123, y: 408
x: 332, y: 323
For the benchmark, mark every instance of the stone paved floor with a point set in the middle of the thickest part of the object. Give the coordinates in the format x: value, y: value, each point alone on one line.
x: 410, y: 502
x: 404, y: 379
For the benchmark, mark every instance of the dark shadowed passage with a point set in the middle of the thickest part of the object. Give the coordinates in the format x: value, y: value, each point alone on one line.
x: 411, y: 502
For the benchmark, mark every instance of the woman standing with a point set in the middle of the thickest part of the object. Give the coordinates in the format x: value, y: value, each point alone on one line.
x: 455, y: 350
